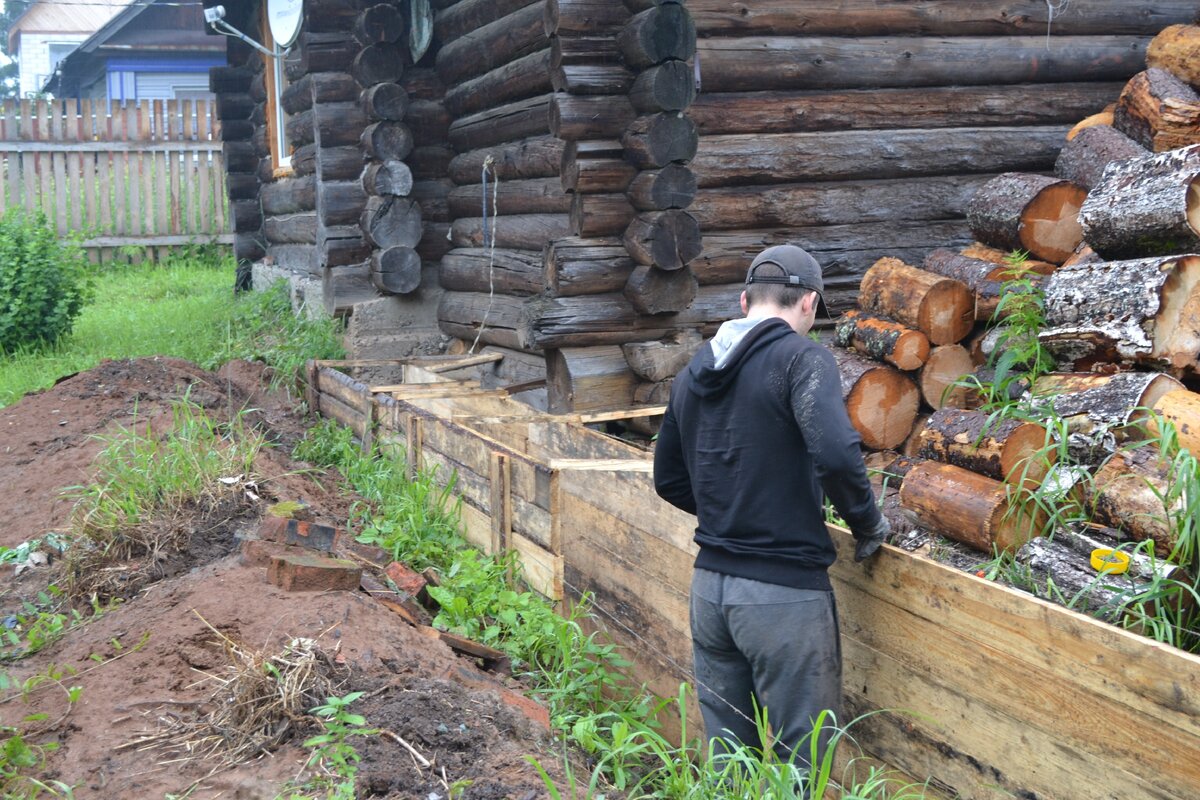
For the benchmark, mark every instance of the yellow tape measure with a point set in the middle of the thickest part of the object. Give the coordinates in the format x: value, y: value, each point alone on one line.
x: 1113, y: 562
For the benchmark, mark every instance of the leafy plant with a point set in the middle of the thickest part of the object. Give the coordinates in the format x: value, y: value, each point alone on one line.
x: 22, y: 755
x: 333, y: 757
x: 44, y: 283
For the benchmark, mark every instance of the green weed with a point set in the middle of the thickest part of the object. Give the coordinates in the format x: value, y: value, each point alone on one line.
x: 22, y: 755
x: 333, y: 759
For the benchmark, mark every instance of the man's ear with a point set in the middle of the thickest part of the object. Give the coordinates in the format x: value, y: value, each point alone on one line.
x: 742, y: 300
x: 810, y: 303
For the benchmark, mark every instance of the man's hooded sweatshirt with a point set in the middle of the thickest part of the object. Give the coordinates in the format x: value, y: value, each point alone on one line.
x: 755, y: 430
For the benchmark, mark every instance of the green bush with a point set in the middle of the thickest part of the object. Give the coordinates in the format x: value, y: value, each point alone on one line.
x: 44, y: 283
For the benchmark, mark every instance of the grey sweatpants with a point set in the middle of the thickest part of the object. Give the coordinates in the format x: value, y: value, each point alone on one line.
x: 778, y: 645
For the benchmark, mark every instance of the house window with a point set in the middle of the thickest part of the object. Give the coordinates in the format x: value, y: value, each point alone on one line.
x: 58, y: 51
x: 277, y: 82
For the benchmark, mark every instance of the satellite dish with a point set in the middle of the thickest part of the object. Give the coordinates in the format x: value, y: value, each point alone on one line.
x: 284, y: 18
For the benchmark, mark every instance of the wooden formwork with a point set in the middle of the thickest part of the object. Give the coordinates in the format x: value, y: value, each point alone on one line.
x: 987, y: 691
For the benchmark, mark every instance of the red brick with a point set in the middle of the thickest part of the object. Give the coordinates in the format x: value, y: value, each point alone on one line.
x: 474, y: 680
x: 295, y: 532
x: 257, y: 553
x: 309, y: 573
x: 407, y: 581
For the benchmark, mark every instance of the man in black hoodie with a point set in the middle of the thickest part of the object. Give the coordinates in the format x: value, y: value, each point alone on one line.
x: 754, y: 437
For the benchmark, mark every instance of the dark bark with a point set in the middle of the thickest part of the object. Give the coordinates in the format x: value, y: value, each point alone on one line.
x: 566, y: 18
x: 379, y: 23
x: 480, y: 269
x: 658, y: 34
x: 525, y: 77
x: 593, y: 79
x: 595, y: 215
x: 493, y: 45
x: 1084, y: 157
x: 385, y: 101
x: 392, y: 222
x: 387, y: 141
x: 663, y: 359
x: 387, y: 177
x: 1036, y: 213
x: 575, y: 118
x: 673, y: 186
x: 289, y: 196
x: 586, y: 266
x: 666, y: 87
x: 538, y: 157
x: 1158, y: 111
x: 655, y: 291
x: 523, y: 119
x: 664, y: 239
x: 530, y: 196
x: 291, y: 229
x: 522, y: 232
x: 396, y: 270
x: 659, y: 139
x: 378, y: 63
x: 340, y: 202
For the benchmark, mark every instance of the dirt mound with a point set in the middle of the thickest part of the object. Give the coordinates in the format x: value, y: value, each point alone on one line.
x: 150, y: 661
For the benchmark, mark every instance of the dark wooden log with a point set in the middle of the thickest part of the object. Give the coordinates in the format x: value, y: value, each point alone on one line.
x: 596, y: 167
x: 596, y: 79
x: 664, y: 239
x: 379, y: 23
x: 429, y: 122
x: 423, y: 83
x: 657, y: 140
x: 229, y: 79
x: 1145, y: 206
x: 344, y: 248
x: 761, y: 112
x: 433, y: 197
x: 1083, y: 158
x: 730, y: 65
x: 241, y: 186
x: 882, y: 402
x: 1036, y: 213
x: 522, y: 232
x: 662, y: 33
x: 463, y: 314
x: 435, y: 242
x: 291, y: 229
x: 969, y: 508
x: 655, y: 291
x: 825, y: 203
x: 323, y: 87
x: 1007, y: 450
x: 468, y: 15
x: 882, y: 339
x: 289, y: 196
x: 392, y: 222
x: 327, y: 124
x: 745, y: 159
x: 530, y: 196
x: 523, y: 119
x: 588, y: 379
x: 667, y: 87
x: 966, y: 269
x: 387, y: 177
x: 941, y: 308
x: 652, y: 394
x: 1140, y: 311
x: 322, y: 52
x: 527, y: 76
x: 378, y: 63
x: 247, y: 215
x: 581, y: 50
x: 480, y: 269
x: 1176, y: 49
x: 430, y: 161
x: 340, y: 202
x: 385, y: 101
x: 1102, y: 410
x: 328, y: 163
x: 566, y: 18
x: 248, y: 246
x: 673, y: 186
x: 396, y: 270
x: 492, y: 45
x: 238, y: 130
x: 958, y: 19
x: 538, y: 157
x: 663, y: 359
x: 1132, y: 491
x: 1158, y: 111
x: 235, y: 105
x: 586, y: 266
x: 595, y: 215
x: 258, y: 88
x: 575, y: 118
x: 328, y: 16
x: 386, y: 141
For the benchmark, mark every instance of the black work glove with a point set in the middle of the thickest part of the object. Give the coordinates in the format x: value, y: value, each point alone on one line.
x: 866, y: 545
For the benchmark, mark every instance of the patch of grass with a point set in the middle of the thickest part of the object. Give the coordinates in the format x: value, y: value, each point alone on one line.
x: 185, y: 308
x: 143, y: 477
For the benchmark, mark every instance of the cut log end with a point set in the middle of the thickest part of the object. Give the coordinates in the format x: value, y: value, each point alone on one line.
x: 1177, y: 326
x: 883, y: 404
x: 1050, y: 227
x: 946, y: 365
x: 948, y: 312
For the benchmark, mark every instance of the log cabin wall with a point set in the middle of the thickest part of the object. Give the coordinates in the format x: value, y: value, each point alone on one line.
x: 859, y: 128
x: 241, y: 144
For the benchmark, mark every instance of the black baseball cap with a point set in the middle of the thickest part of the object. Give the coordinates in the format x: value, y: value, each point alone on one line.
x: 789, y: 265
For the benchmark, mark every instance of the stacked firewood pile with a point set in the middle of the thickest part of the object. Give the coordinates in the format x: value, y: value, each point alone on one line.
x: 1111, y: 242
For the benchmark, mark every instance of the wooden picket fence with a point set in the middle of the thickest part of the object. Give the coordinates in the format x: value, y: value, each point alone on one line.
x: 127, y: 179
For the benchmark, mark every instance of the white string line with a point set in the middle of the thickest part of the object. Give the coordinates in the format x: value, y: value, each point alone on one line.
x: 487, y: 312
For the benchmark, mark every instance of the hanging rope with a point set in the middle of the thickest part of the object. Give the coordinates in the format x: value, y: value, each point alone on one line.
x: 489, y: 241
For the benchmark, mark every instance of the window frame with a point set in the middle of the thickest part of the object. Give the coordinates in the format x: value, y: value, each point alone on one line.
x: 276, y: 82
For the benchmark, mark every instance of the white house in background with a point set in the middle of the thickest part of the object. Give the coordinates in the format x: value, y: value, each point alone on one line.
x: 48, y: 31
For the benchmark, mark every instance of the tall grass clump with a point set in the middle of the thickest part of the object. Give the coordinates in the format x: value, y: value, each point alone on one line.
x: 144, y: 478
x: 44, y: 283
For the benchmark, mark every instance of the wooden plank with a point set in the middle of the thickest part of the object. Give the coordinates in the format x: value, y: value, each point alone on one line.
x: 162, y: 205
x: 60, y: 219
x: 176, y: 165
x: 87, y: 164
x: 133, y: 172
x: 500, y: 507
x: 149, y: 117
x: 170, y: 240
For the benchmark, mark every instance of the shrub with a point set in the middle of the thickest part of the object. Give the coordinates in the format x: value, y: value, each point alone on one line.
x: 44, y: 283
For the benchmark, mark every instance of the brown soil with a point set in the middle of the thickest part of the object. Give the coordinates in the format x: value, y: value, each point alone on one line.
x: 473, y: 726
